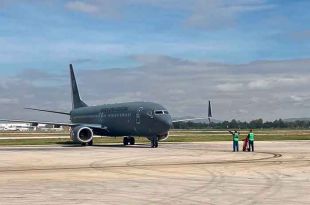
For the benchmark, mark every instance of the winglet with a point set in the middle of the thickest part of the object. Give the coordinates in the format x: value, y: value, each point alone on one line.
x: 209, y: 112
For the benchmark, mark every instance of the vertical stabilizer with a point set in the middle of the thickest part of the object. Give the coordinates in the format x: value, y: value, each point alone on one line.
x: 209, y: 111
x: 76, y: 100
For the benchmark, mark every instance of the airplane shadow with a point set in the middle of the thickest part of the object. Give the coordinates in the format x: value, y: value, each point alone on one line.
x: 122, y: 146
x: 110, y: 145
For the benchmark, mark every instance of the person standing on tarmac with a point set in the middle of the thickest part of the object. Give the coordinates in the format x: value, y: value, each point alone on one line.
x: 251, y: 140
x: 235, y: 135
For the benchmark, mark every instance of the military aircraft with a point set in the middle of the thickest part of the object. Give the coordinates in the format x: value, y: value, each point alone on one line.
x: 129, y: 119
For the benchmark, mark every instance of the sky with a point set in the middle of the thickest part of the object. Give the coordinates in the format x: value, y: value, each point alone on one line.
x: 250, y: 57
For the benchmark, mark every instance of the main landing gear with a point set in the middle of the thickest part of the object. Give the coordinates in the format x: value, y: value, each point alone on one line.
x: 154, y: 142
x: 129, y: 140
x: 90, y: 143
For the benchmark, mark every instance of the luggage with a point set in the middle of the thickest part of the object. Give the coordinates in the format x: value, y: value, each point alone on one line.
x: 245, y: 144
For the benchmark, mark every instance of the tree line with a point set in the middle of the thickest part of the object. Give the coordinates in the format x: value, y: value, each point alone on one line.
x: 236, y: 124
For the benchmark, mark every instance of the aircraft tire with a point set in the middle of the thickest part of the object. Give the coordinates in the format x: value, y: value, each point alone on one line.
x: 132, y: 141
x: 83, y: 144
x: 91, y: 143
x: 125, y: 141
x: 156, y: 143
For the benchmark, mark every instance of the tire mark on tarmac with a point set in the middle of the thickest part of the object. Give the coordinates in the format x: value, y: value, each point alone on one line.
x: 274, y: 155
x: 212, y: 184
x: 147, y: 169
x: 273, y: 186
x: 183, y: 194
x: 148, y: 172
x: 156, y: 176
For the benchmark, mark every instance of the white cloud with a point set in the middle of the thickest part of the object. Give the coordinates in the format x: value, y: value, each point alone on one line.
x: 259, y: 84
x: 230, y: 87
x: 296, y: 98
x: 223, y: 13
x: 102, y: 8
x: 279, y: 81
x: 203, y: 13
x: 183, y: 86
x: 8, y: 101
x: 82, y: 7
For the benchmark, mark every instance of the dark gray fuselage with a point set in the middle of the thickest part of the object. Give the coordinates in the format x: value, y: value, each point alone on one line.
x: 125, y: 119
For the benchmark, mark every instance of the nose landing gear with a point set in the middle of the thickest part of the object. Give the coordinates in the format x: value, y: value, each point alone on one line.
x: 132, y: 141
x: 154, y: 142
x: 129, y: 140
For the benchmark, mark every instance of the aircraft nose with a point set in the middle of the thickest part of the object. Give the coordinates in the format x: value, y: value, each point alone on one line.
x: 167, y: 122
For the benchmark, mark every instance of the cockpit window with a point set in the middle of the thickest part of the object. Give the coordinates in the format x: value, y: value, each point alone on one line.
x: 161, y: 112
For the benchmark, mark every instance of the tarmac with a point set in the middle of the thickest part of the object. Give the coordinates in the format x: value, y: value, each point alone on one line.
x: 175, y: 173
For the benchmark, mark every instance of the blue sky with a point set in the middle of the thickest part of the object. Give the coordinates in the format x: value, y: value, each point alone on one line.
x: 49, y: 35
x: 251, y: 57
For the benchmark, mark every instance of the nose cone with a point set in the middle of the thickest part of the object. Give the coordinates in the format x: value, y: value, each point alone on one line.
x: 169, y: 122
x: 165, y: 122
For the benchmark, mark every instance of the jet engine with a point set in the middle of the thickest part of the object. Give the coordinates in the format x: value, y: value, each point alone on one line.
x: 81, y: 134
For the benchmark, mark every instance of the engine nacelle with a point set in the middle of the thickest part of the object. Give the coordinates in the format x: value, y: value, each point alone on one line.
x: 81, y: 134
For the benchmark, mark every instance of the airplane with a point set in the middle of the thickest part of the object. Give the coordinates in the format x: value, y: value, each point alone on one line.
x: 128, y: 119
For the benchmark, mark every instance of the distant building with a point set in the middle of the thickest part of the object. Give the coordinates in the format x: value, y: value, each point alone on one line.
x: 16, y: 127
x: 26, y: 127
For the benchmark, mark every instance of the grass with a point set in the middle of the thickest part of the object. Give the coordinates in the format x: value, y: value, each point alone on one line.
x: 175, y: 136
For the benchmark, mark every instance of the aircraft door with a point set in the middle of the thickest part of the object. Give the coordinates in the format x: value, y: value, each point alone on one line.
x: 138, y: 116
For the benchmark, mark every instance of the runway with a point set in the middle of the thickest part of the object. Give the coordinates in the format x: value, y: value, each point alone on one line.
x: 175, y: 173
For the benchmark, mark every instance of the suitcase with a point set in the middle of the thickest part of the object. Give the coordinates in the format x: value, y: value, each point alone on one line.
x: 245, y: 144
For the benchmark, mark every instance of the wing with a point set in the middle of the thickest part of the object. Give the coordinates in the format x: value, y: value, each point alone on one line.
x: 198, y: 118
x: 93, y: 126
x: 190, y: 119
x: 39, y: 122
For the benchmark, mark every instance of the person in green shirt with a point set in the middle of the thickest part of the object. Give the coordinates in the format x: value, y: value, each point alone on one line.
x: 235, y: 135
x: 251, y: 140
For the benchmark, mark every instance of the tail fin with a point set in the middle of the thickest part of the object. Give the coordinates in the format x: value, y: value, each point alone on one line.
x: 76, y: 100
x: 209, y: 111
